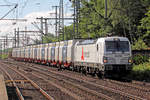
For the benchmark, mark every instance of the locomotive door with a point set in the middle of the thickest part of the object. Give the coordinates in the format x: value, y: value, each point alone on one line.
x: 98, y: 52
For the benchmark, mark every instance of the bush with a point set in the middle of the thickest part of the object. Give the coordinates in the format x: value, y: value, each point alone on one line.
x: 140, y: 59
x: 141, y: 72
x: 139, y: 45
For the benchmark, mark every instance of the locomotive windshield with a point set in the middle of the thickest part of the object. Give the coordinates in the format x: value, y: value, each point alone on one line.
x: 117, y: 46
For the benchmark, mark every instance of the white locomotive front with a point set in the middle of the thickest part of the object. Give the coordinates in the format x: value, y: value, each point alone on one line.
x: 104, y: 56
x: 117, y: 55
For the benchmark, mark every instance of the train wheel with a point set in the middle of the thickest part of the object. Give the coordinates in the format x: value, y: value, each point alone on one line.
x: 84, y: 71
x: 93, y: 74
x: 101, y: 74
x: 59, y: 67
x: 49, y: 64
x: 80, y: 69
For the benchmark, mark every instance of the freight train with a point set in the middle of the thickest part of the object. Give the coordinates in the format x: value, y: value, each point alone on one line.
x: 106, y: 56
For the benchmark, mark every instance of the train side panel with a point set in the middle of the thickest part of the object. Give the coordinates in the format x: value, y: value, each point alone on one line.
x: 53, y: 52
x: 49, y: 52
x: 57, y: 52
x: 46, y: 53
x: 38, y: 53
x: 86, y: 55
x: 60, y: 52
x: 31, y: 56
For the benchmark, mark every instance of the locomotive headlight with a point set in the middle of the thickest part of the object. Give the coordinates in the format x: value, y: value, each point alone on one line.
x: 130, y: 60
x: 105, y: 60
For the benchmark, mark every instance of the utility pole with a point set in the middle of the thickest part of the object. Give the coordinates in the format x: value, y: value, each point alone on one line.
x: 42, y: 29
x: 56, y: 23
x: 61, y: 18
x: 46, y: 27
x: 26, y: 36
x: 15, y: 37
x: 77, y: 16
x: 59, y: 28
x: 6, y: 43
x: 18, y: 37
x: 74, y: 20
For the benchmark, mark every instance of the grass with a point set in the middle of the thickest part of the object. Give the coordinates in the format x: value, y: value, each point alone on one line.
x: 3, y: 56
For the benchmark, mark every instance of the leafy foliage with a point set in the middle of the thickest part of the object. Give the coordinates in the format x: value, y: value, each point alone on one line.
x: 49, y: 38
x: 123, y: 18
x: 140, y: 59
x: 144, y: 28
x: 139, y: 45
x: 129, y: 18
x: 141, y: 72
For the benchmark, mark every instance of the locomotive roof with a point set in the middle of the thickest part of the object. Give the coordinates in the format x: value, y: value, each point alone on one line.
x: 93, y: 41
x: 115, y: 38
x: 89, y: 41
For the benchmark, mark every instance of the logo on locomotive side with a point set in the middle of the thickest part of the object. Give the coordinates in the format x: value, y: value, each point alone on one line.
x: 82, y: 57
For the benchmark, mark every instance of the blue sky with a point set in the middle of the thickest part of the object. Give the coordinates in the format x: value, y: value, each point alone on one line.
x: 30, y: 10
x: 28, y: 6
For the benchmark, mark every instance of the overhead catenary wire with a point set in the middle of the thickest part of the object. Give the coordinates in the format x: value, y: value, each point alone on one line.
x: 9, y: 11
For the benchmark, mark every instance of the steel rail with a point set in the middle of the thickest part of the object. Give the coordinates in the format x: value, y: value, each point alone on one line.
x: 73, y: 84
x: 33, y: 83
x: 101, y: 86
x: 14, y: 84
x: 61, y: 88
x: 129, y: 85
x: 78, y: 86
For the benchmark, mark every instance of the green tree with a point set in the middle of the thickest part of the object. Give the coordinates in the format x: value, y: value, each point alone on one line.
x: 92, y: 22
x: 139, y: 45
x: 144, y: 28
x: 122, y: 20
x: 49, y: 38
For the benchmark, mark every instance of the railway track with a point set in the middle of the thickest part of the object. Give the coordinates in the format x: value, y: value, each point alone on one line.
x: 141, y: 83
x: 75, y: 90
x: 99, y: 86
x: 14, y: 84
x: 114, y: 93
x: 22, y: 92
x: 131, y: 85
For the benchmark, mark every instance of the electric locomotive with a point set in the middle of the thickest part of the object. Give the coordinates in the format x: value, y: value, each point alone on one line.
x: 106, y: 56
